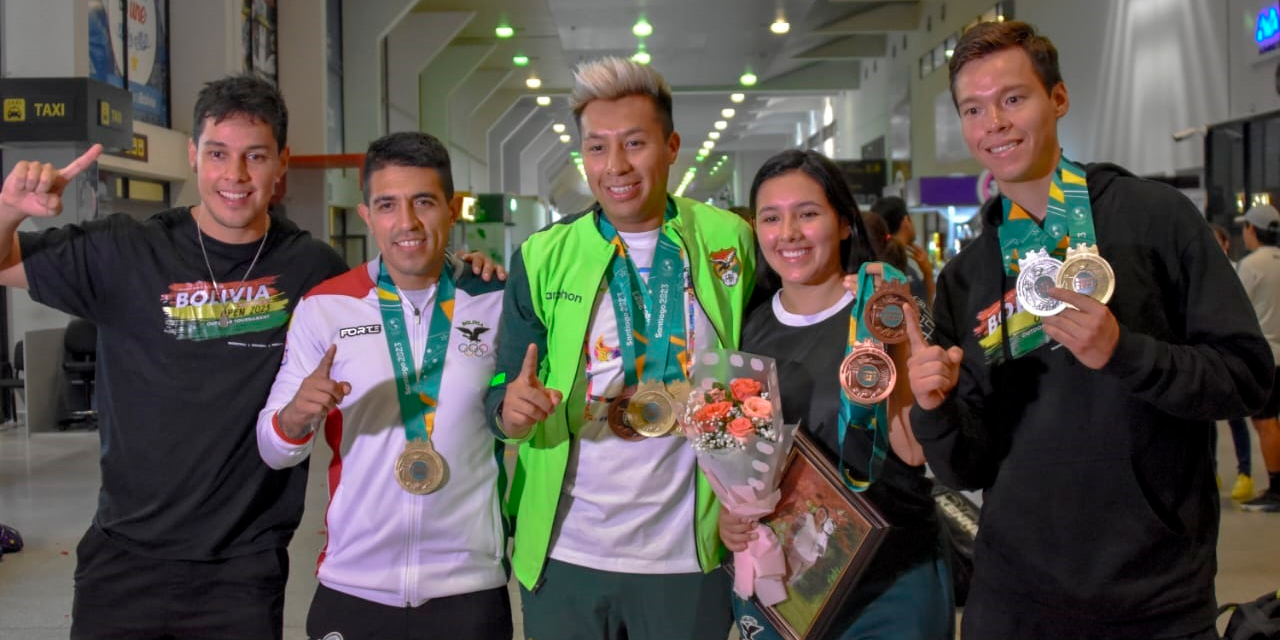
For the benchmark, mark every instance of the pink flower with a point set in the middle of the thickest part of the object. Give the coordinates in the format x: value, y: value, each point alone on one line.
x: 757, y: 408
x: 744, y: 388
x: 716, y: 395
x: 740, y: 428
x: 714, y: 411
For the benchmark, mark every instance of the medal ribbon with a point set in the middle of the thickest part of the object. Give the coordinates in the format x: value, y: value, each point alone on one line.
x: 1068, y: 220
x: 874, y: 419
x: 645, y: 340
x: 418, y: 389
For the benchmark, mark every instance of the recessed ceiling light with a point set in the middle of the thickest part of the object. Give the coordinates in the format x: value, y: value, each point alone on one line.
x: 558, y: 127
x: 714, y: 135
x: 544, y: 101
x: 533, y: 82
x: 737, y: 97
x: 642, y: 28
x: 565, y: 138
x: 721, y: 125
x: 520, y: 60
x: 641, y: 56
x: 780, y: 26
x: 504, y: 30
x: 728, y: 112
x: 709, y: 144
x: 748, y: 79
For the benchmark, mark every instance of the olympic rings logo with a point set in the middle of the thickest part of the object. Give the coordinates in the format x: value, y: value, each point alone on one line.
x: 473, y: 349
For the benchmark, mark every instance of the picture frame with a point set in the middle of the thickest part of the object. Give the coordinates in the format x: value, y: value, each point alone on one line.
x: 828, y: 533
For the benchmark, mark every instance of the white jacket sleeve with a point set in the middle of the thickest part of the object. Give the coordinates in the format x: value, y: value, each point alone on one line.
x: 302, y: 352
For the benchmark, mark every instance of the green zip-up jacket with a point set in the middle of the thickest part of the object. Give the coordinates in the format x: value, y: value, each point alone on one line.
x: 551, y: 290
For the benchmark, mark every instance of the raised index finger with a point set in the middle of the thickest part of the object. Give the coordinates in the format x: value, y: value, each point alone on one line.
x: 914, y: 334
x: 529, y: 370
x: 83, y: 162
x: 326, y: 363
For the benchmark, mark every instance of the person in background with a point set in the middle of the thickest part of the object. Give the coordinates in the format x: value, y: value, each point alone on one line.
x: 1260, y: 273
x: 1242, y: 488
x: 903, y: 231
x: 411, y: 319
x: 1089, y: 428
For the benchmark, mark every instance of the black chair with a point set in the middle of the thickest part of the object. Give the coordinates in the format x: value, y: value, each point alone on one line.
x: 79, y: 363
x: 11, y: 383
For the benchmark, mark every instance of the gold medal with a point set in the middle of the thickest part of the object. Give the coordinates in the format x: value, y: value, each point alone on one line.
x: 1037, y: 274
x: 867, y: 374
x: 885, y: 316
x: 651, y: 411
x: 420, y: 469
x: 1086, y: 272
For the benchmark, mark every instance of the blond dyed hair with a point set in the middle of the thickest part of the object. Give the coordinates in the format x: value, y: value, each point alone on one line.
x: 614, y: 78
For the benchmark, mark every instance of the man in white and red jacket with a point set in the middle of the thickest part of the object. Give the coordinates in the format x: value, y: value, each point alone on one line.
x: 389, y: 364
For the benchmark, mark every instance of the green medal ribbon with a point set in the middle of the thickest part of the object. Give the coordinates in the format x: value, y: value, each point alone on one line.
x: 645, y: 339
x: 874, y: 419
x: 419, y: 390
x: 1068, y: 221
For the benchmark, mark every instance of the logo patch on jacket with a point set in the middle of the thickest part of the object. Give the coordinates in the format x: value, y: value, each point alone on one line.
x: 471, y: 331
x: 727, y: 265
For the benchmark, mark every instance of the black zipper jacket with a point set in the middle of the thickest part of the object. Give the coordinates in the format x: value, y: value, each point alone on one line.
x: 1100, y: 515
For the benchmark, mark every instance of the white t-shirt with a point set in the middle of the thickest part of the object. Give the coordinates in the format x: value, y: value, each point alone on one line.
x: 1260, y: 273
x: 627, y: 507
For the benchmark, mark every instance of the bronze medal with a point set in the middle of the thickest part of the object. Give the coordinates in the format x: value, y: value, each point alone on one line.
x: 618, y: 417
x: 885, y: 316
x: 867, y: 374
x: 420, y: 469
x: 1086, y: 272
x: 1037, y: 274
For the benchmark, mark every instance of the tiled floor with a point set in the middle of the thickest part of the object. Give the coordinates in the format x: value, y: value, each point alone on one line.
x: 48, y: 486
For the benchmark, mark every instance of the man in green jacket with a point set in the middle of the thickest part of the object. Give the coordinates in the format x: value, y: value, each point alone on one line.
x: 615, y: 525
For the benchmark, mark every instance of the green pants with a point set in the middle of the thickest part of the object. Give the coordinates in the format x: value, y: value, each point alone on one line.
x: 578, y: 603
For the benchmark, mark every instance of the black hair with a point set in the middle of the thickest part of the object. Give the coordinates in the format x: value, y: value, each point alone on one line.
x: 1269, y: 236
x: 856, y: 249
x: 986, y: 38
x: 893, y: 209
x: 242, y: 95
x: 409, y: 149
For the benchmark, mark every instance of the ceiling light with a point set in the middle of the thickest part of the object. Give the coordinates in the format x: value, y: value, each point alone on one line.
x: 737, y: 97
x: 641, y: 56
x: 721, y: 125
x: 504, y: 30
x: 533, y: 82
x: 520, y: 60
x: 709, y: 144
x: 544, y: 100
x: 642, y: 28
x: 748, y: 79
x: 565, y: 138
x: 558, y: 127
x: 780, y: 26
x: 728, y: 112
x: 714, y: 135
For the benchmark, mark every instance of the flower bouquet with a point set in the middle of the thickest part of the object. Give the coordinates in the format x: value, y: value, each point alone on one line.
x: 734, y: 422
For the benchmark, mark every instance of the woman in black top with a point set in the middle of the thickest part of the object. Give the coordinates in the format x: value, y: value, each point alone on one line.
x: 810, y: 237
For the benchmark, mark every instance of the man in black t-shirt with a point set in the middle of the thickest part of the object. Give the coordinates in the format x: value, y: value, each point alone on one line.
x: 192, y: 306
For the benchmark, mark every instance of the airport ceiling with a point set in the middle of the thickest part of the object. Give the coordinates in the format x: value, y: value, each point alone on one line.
x: 702, y: 47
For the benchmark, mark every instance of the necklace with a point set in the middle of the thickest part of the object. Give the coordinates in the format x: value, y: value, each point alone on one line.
x: 224, y: 320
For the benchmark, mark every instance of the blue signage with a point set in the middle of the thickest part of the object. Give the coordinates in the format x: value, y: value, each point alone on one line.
x: 1267, y: 33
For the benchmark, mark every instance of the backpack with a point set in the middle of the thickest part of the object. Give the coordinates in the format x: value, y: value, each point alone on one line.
x: 10, y: 540
x: 1257, y: 620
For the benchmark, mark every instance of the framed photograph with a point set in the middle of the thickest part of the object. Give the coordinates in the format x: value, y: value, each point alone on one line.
x: 828, y: 533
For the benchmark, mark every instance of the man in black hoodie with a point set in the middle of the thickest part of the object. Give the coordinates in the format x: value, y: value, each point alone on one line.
x: 1089, y: 428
